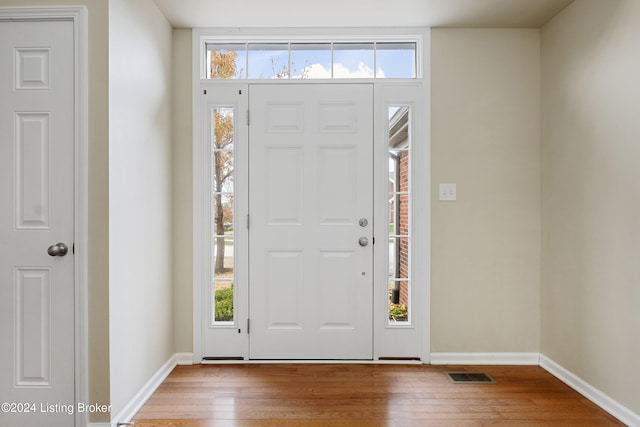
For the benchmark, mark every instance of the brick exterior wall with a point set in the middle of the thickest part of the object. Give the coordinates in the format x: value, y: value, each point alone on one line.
x: 403, y: 226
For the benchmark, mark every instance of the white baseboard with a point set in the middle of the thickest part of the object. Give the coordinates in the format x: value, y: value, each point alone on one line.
x: 98, y: 425
x: 140, y: 398
x: 610, y: 405
x: 485, y: 358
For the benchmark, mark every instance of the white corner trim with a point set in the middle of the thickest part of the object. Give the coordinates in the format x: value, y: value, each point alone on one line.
x: 610, y: 405
x: 183, y: 359
x: 131, y: 409
x: 484, y: 358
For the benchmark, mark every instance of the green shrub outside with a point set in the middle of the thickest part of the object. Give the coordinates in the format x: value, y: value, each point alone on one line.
x: 224, y: 305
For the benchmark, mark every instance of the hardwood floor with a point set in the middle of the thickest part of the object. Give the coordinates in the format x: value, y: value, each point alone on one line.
x: 338, y: 395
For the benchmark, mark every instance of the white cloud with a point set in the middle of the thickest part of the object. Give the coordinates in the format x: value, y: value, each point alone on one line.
x: 318, y: 71
x: 342, y: 72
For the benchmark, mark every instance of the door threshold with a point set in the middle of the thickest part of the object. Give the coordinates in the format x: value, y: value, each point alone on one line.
x: 219, y: 359
x: 239, y: 361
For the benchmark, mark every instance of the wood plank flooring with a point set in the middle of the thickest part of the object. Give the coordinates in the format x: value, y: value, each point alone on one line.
x: 354, y: 395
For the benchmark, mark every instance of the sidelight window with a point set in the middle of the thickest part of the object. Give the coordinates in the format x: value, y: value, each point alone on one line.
x: 399, y: 151
x: 223, y: 218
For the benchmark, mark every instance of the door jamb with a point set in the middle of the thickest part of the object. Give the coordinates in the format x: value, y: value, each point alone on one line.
x: 79, y: 16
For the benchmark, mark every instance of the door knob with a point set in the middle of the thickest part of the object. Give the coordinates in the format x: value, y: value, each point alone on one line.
x: 59, y: 249
x: 363, y: 241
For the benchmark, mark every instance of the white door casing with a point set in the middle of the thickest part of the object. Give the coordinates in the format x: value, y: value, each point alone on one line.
x: 311, y: 170
x: 37, y: 161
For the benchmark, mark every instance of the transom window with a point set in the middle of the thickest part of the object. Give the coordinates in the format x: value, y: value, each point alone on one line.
x: 311, y: 60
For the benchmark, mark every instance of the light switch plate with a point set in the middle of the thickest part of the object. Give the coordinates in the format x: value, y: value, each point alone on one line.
x: 447, y: 192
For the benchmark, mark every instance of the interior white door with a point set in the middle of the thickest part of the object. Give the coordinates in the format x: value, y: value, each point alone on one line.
x: 311, y: 205
x: 36, y: 217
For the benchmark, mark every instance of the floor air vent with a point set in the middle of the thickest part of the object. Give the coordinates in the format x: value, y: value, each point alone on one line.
x: 469, y: 378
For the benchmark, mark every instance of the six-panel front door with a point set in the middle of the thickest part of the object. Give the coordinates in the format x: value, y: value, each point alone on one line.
x: 36, y: 224
x: 311, y: 205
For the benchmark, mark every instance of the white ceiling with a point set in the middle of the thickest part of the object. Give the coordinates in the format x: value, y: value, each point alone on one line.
x: 363, y: 13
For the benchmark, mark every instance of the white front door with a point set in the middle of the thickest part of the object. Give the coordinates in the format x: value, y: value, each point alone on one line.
x: 37, y: 223
x: 311, y: 224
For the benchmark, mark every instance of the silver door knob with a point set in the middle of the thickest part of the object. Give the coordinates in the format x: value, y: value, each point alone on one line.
x: 59, y: 249
x: 363, y: 241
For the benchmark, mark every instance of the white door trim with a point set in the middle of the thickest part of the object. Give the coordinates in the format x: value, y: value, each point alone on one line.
x: 77, y: 15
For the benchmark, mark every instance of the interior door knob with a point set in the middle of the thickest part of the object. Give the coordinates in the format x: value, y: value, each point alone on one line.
x: 59, y: 249
x: 363, y: 241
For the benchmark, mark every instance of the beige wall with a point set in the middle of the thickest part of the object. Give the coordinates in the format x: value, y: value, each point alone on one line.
x: 98, y: 274
x: 485, y: 137
x: 591, y: 186
x: 140, y: 197
x: 182, y: 192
